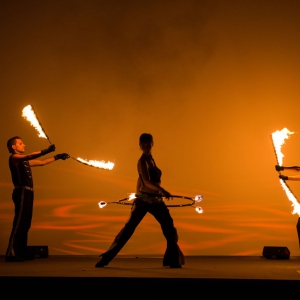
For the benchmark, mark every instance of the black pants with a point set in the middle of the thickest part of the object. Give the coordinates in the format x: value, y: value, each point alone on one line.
x: 23, y: 201
x: 159, y: 210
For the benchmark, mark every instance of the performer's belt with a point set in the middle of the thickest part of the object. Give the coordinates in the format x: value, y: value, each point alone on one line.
x: 24, y: 187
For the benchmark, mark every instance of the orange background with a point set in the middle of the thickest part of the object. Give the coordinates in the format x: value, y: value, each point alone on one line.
x: 211, y: 80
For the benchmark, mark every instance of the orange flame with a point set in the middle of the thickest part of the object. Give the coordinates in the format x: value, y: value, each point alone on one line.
x: 131, y: 196
x: 278, y: 138
x: 198, y: 198
x: 97, y: 164
x: 29, y: 114
x: 291, y: 197
x: 102, y: 204
x: 199, y: 210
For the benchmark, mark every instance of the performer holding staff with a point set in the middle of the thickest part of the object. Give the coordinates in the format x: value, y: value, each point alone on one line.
x: 20, y: 167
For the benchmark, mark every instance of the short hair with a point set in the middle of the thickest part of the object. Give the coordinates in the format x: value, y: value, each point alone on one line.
x: 146, y: 138
x: 11, y: 142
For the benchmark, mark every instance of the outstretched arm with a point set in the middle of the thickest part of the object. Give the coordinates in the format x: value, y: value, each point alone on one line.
x: 18, y: 157
x: 292, y: 178
x: 282, y: 168
x: 48, y: 160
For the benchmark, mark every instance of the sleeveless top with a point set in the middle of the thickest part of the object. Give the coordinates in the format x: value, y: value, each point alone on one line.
x: 154, y: 174
x: 21, y: 174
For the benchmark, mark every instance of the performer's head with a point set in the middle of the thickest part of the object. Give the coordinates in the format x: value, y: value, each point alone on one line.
x: 11, y: 143
x: 146, y: 142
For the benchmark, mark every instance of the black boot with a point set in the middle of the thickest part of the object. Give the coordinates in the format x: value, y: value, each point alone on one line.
x: 101, y: 263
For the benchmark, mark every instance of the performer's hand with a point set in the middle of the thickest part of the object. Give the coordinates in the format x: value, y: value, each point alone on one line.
x: 167, y: 195
x: 51, y: 148
x: 279, y: 168
x: 283, y: 177
x: 62, y: 156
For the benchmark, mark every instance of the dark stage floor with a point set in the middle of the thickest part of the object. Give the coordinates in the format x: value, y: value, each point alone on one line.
x: 206, y: 273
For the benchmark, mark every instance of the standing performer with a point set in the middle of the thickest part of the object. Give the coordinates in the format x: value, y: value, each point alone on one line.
x: 292, y: 178
x: 20, y: 167
x: 149, y: 199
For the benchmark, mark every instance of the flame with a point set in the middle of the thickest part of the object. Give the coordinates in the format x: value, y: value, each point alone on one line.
x: 198, y: 198
x: 291, y: 197
x: 98, y: 164
x: 29, y: 114
x: 278, y: 138
x: 131, y: 196
x: 199, y: 210
x: 101, y: 204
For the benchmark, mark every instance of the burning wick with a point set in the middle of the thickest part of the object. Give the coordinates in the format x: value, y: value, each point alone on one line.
x: 199, y: 210
x: 29, y: 114
x: 278, y: 138
x: 198, y: 198
x: 101, y: 204
x: 97, y: 164
x: 131, y: 196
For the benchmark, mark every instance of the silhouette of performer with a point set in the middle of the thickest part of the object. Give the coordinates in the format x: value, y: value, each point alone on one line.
x: 23, y: 195
x: 149, y: 199
x: 292, y: 178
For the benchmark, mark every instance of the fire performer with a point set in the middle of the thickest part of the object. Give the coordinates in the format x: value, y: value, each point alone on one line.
x: 292, y: 178
x: 20, y: 167
x: 149, y: 200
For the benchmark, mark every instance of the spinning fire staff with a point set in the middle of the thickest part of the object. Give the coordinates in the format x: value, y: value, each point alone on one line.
x: 278, y: 138
x: 29, y: 114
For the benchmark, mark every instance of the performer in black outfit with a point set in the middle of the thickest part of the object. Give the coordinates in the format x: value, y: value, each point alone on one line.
x: 20, y: 167
x: 149, y: 199
x: 291, y: 178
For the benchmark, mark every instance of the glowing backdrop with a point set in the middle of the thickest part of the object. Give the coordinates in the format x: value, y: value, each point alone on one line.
x: 211, y: 80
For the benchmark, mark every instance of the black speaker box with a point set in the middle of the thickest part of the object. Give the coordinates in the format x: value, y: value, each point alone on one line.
x: 276, y: 252
x: 41, y: 251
